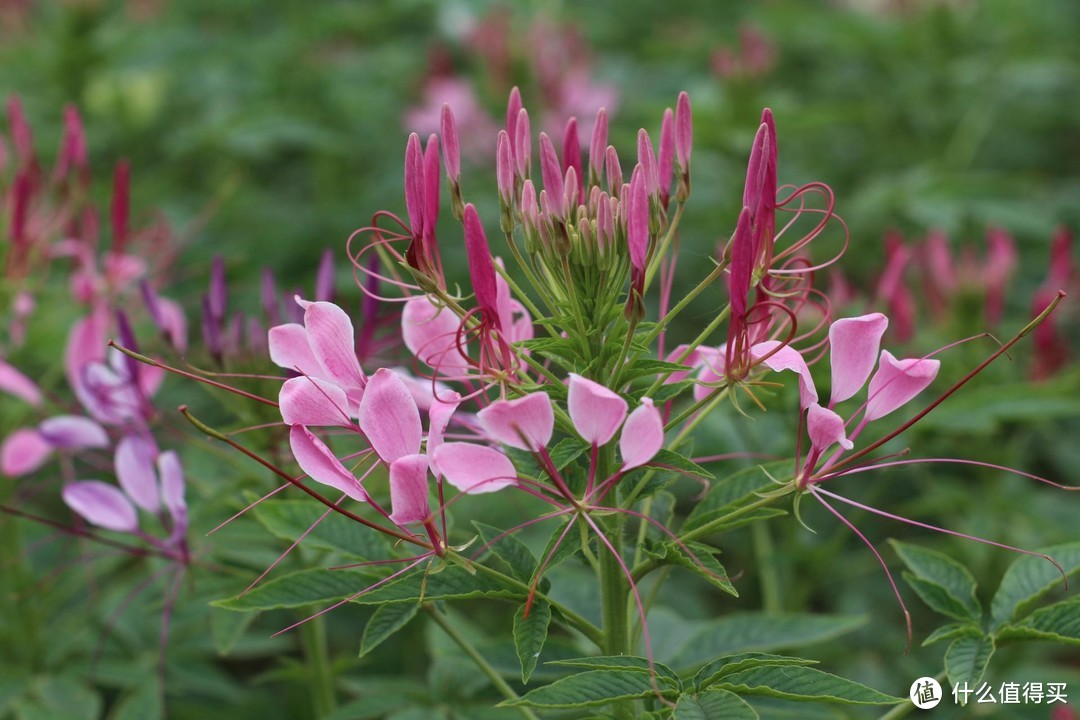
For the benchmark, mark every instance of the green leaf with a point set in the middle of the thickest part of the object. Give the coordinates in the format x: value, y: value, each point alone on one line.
x: 59, y: 697
x: 386, y: 621
x: 943, y: 584
x: 289, y: 519
x: 530, y: 634
x: 1059, y: 622
x: 952, y: 631
x: 514, y: 553
x: 144, y: 703
x: 565, y: 452
x: 570, y: 546
x: 620, y: 662
x: 703, y: 563
x: 713, y: 705
x: 669, y: 391
x: 721, y: 667
x: 981, y: 410
x: 649, y: 366
x: 740, y: 632
x: 967, y: 658
x: 735, y: 491
x: 228, y: 627
x: 297, y: 589
x: 1029, y: 578
x: 594, y: 687
x: 805, y: 684
x: 451, y: 583
x: 666, y: 459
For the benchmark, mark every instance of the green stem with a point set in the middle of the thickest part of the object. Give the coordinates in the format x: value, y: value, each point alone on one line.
x: 681, y: 305
x: 321, y: 674
x: 702, y: 337
x: 470, y: 650
x: 765, y: 552
x: 661, y: 250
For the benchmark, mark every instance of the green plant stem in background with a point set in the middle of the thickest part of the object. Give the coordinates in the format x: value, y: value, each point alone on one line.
x: 470, y: 650
x: 765, y: 554
x: 321, y: 674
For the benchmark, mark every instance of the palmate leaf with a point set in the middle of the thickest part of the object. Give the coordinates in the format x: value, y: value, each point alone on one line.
x: 386, y: 621
x: 951, y: 632
x: 289, y: 519
x: 713, y: 704
x: 761, y: 632
x: 306, y: 587
x: 722, y: 667
x: 1059, y: 622
x: 703, y: 563
x: 514, y: 553
x: 530, y: 634
x: 967, y: 658
x: 1028, y: 580
x: 804, y: 684
x: 669, y: 459
x: 943, y: 584
x: 620, y: 662
x: 595, y: 687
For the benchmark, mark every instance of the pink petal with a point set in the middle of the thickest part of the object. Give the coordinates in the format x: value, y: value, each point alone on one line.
x: 450, y: 145
x: 422, y: 390
x: 787, y: 358
x: 102, y: 505
x: 642, y: 435
x: 825, y: 428
x: 310, y: 401
x: 173, y: 323
x: 171, y: 473
x: 898, y: 381
x: 23, y: 452
x: 525, y: 423
x: 321, y: 465
x: 692, y: 360
x: 73, y: 432
x: 595, y: 411
x: 86, y: 344
x: 481, y: 266
x: 137, y: 473
x: 473, y: 468
x: 684, y: 131
x: 637, y: 230
x: 438, y: 418
x: 330, y: 334
x: 713, y: 364
x: 854, y: 344
x: 430, y: 332
x: 289, y: 349
x: 15, y: 383
x: 409, y: 490
x: 389, y: 417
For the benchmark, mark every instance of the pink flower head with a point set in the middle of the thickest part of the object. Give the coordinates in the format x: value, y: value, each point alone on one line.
x: 323, y: 347
x: 526, y: 423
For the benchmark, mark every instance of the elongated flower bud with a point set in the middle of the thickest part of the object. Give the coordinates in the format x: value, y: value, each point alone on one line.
x: 452, y: 157
x: 414, y: 185
x: 666, y: 156
x: 324, y: 277
x: 120, y: 199
x: 219, y: 289
x: 613, y: 171
x: 513, y: 110
x: 647, y: 161
x: 684, y: 140
x: 597, y: 147
x: 572, y: 158
x: 504, y: 175
x: 552, y: 174
x: 530, y: 217
x: 637, y: 221
x: 481, y: 266
x: 523, y: 145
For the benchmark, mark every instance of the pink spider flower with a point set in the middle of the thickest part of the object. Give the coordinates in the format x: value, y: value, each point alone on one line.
x: 1051, y: 347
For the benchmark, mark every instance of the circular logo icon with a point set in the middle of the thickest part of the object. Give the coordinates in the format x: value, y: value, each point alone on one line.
x: 925, y: 693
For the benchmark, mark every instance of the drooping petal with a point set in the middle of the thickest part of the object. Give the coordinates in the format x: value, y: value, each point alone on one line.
x: 137, y: 473
x: 473, y: 468
x: 315, y: 402
x: 171, y: 473
x: 854, y: 344
x: 409, y: 490
x: 642, y: 435
x: 713, y: 368
x: 73, y: 432
x: 525, y: 423
x: 321, y: 465
x: 787, y: 358
x: 389, y: 417
x: 289, y: 348
x: 825, y: 428
x: 898, y: 381
x: 330, y: 334
x: 595, y: 411
x: 430, y: 332
x: 15, y: 383
x: 23, y: 452
x: 101, y: 504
